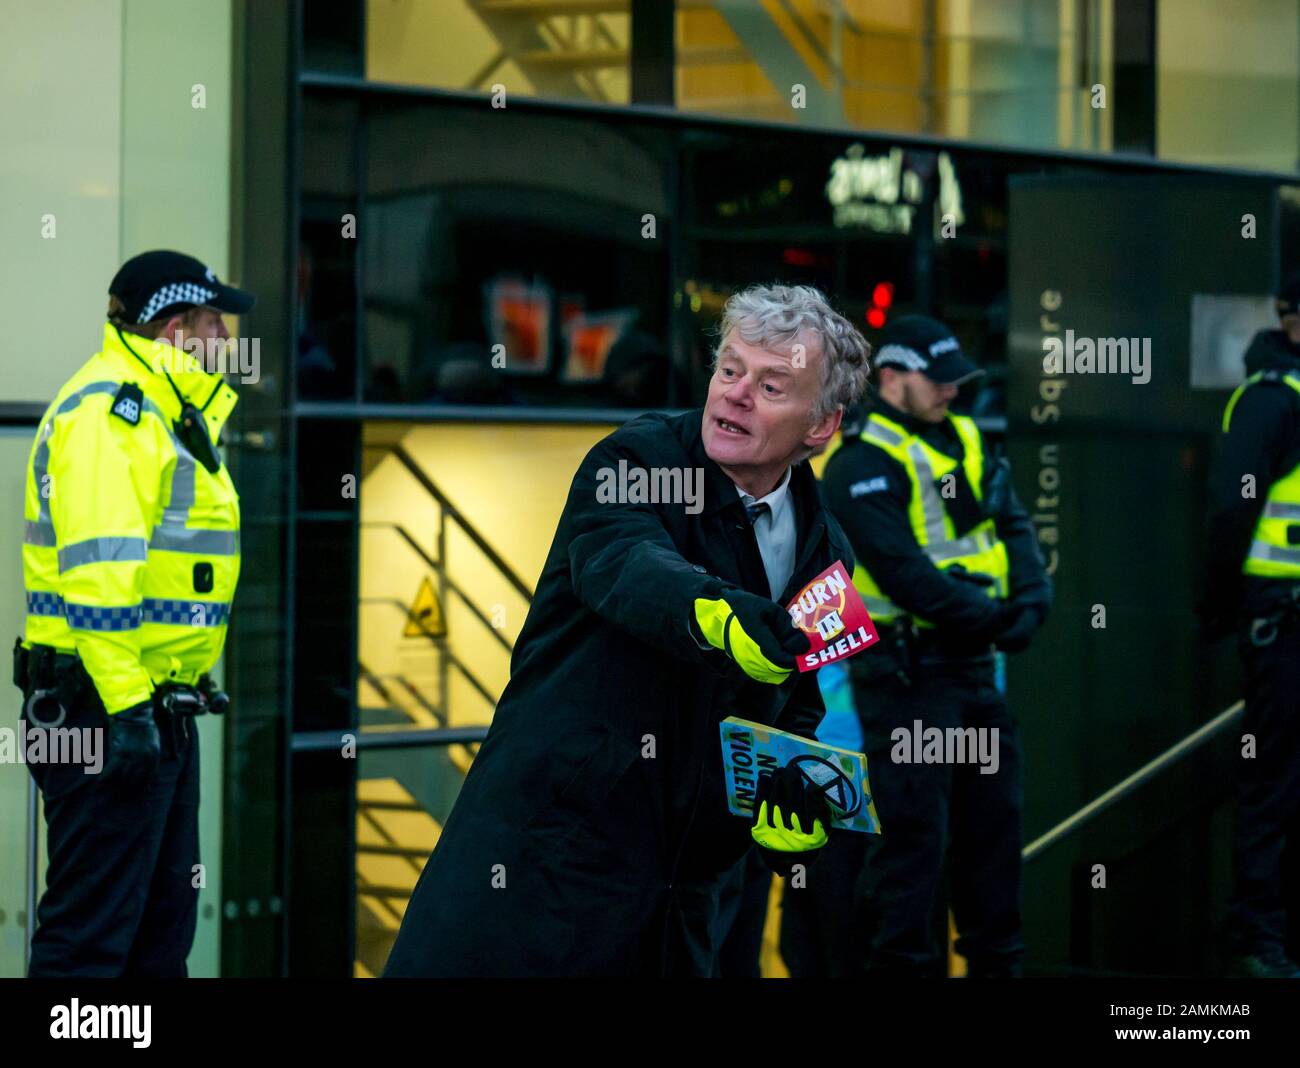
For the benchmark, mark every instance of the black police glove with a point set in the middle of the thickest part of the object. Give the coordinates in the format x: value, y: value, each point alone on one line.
x: 134, y: 747
x: 1005, y: 613
x: 975, y: 578
x: 791, y: 822
x: 1020, y: 632
x: 755, y: 632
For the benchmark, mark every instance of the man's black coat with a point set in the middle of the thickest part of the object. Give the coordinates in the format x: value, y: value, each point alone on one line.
x: 593, y: 824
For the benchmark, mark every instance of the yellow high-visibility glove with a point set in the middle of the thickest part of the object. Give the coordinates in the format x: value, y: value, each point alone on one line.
x: 786, y: 805
x: 772, y: 832
x: 755, y: 632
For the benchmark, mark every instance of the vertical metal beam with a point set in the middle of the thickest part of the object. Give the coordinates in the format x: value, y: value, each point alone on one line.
x: 1133, y: 95
x: 837, y: 52
x: 1101, y: 19
x: 33, y: 865
x: 654, y: 54
x: 361, y: 186
x: 259, y: 673
x: 1069, y: 46
x: 929, y: 32
x: 957, y: 78
x: 444, y: 689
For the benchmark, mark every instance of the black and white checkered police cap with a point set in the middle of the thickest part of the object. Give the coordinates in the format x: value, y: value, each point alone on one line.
x: 156, y: 284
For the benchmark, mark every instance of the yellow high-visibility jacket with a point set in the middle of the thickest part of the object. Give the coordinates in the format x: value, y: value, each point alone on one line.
x: 980, y: 550
x: 131, y: 546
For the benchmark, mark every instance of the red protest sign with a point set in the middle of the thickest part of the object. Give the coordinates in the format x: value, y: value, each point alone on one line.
x: 830, y: 611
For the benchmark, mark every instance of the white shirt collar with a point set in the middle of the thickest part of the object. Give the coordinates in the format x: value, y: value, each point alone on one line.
x: 773, y: 500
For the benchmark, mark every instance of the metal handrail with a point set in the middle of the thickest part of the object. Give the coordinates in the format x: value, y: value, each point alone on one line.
x: 376, y: 681
x: 1168, y: 758
x: 453, y: 513
x: 446, y: 652
x: 396, y: 738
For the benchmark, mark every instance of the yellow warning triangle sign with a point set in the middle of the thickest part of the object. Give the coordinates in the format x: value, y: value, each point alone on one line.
x: 425, y: 618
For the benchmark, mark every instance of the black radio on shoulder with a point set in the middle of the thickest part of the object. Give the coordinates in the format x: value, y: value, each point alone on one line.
x: 195, y: 437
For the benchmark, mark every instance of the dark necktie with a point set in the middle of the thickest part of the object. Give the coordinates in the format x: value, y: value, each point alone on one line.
x: 753, y: 511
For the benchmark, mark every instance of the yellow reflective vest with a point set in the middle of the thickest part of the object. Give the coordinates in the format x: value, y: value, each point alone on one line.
x: 1271, y: 555
x: 131, y: 546
x: 979, y: 550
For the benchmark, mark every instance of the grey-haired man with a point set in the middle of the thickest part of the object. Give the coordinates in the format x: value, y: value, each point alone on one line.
x: 591, y: 832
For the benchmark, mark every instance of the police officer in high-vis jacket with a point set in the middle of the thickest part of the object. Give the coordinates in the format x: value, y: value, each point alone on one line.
x: 948, y: 565
x: 1252, y: 587
x: 130, y: 560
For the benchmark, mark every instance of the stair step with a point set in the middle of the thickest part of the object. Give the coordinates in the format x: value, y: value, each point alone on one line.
x: 553, y: 8
x: 578, y: 59
x: 605, y: 58
x: 394, y: 851
x: 400, y: 892
x: 403, y: 806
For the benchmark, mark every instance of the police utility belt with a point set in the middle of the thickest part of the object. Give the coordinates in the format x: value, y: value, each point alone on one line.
x: 54, y: 682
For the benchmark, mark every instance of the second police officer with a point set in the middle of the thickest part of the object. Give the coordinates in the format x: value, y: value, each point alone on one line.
x: 948, y: 565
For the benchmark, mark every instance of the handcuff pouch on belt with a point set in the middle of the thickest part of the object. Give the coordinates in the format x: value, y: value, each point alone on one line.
x: 49, y: 678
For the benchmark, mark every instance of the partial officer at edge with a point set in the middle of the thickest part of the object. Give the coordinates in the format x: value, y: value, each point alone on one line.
x: 1251, y: 585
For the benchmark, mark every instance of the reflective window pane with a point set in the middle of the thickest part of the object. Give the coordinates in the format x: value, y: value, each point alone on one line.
x: 498, y: 272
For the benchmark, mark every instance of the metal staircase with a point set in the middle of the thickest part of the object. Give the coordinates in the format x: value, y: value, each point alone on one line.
x: 411, y: 777
x: 564, y: 46
x: 395, y: 835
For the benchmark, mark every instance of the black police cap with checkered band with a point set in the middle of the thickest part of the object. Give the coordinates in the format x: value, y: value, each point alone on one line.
x: 919, y: 343
x: 156, y: 284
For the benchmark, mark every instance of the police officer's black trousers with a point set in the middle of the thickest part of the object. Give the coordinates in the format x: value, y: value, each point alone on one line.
x: 1267, y: 830
x: 931, y: 810
x: 120, y: 890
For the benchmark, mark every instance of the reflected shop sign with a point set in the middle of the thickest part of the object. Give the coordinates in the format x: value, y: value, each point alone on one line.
x: 881, y: 193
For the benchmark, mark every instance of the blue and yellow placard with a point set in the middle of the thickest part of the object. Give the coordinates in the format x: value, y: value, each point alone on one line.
x: 751, y: 750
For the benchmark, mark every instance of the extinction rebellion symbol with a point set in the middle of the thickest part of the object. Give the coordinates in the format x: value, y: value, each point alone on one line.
x: 828, y: 780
